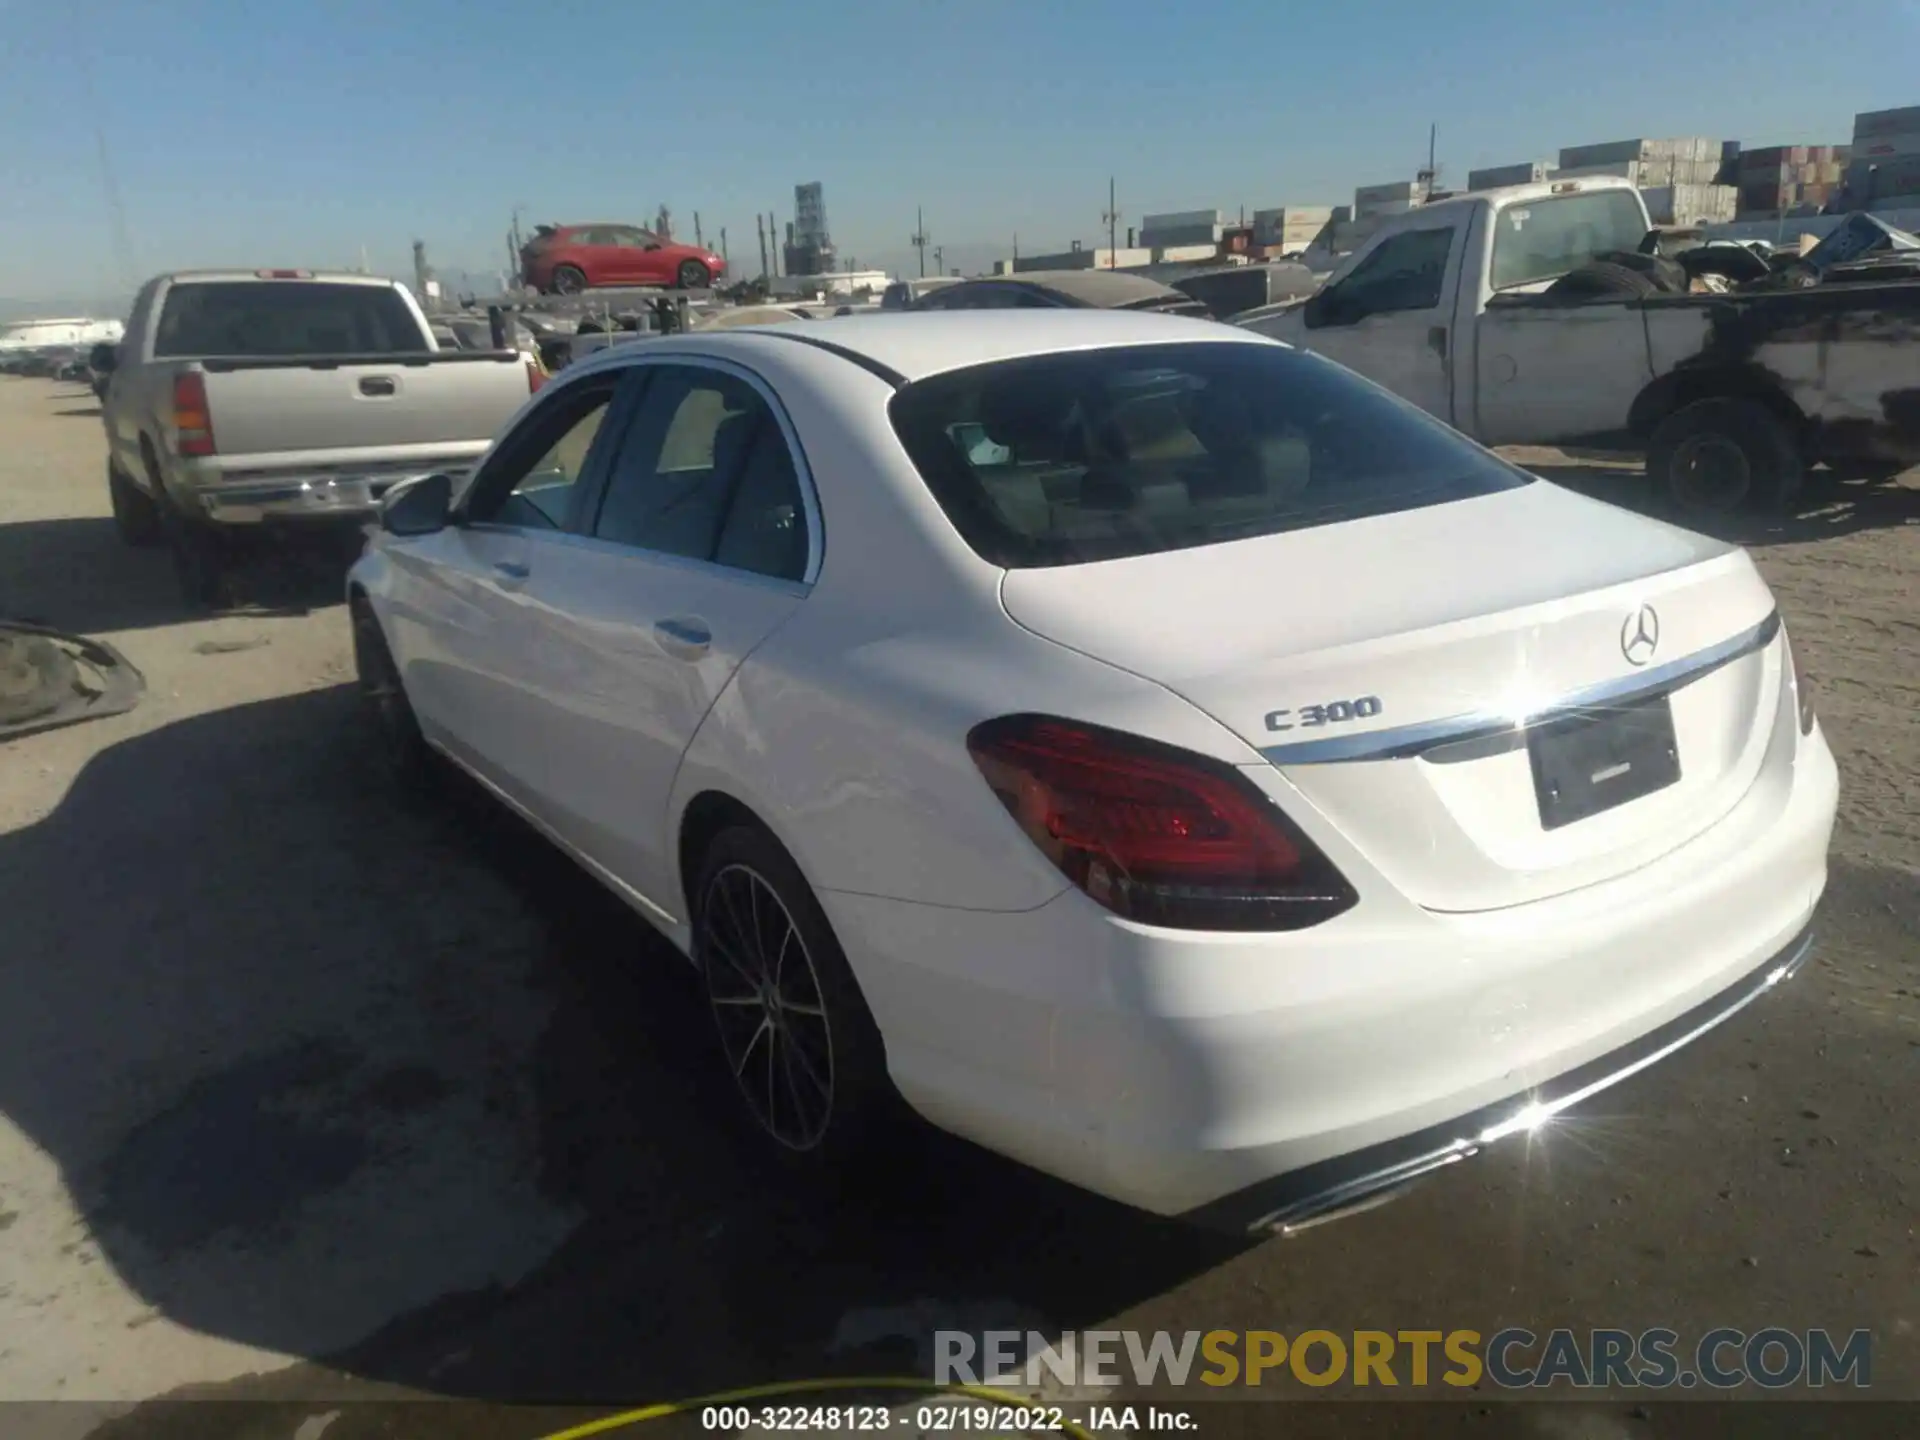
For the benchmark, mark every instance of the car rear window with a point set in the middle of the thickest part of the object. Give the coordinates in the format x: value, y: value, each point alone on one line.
x: 265, y: 319
x: 1092, y: 455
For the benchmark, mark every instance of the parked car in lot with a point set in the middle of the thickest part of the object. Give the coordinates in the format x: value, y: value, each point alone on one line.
x: 566, y: 259
x: 241, y: 398
x: 1229, y: 290
x: 901, y: 294
x: 1464, y: 307
x: 1061, y: 290
x: 1152, y: 751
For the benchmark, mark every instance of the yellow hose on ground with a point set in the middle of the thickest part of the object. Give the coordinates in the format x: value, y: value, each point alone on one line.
x: 797, y: 1387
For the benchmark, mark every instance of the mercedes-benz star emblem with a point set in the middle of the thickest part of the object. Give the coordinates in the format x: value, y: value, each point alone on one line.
x: 1640, y: 636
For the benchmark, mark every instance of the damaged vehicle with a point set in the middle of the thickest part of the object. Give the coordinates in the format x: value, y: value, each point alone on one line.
x: 1532, y: 316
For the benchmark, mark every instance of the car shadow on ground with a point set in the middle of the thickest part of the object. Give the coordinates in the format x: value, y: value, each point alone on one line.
x: 310, y: 1057
x: 77, y: 574
x: 1829, y: 509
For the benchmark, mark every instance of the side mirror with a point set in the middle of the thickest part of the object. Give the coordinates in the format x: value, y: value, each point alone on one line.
x: 655, y: 245
x: 103, y: 358
x: 420, y: 506
x: 1323, y: 308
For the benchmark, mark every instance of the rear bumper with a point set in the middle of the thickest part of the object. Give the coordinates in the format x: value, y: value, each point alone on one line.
x: 306, y: 500
x: 1289, y: 1201
x: 1259, y: 1079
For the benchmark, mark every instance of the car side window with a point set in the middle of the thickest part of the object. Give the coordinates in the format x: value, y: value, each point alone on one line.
x: 1406, y: 272
x: 532, y: 481
x: 705, y: 473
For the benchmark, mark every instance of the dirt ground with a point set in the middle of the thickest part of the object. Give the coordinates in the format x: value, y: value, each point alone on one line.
x: 311, y: 1097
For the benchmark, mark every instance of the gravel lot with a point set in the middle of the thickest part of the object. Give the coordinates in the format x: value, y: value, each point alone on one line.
x: 307, y: 1094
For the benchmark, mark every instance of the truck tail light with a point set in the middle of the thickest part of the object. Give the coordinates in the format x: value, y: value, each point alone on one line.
x: 1802, y: 692
x: 1154, y: 833
x: 536, y: 376
x: 192, y: 424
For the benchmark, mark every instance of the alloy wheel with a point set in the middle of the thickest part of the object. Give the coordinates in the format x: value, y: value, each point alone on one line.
x: 768, y: 1006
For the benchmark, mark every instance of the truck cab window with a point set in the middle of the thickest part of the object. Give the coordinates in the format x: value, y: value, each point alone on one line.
x: 1406, y: 272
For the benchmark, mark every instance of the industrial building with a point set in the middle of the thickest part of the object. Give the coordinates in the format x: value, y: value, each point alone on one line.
x: 809, y: 249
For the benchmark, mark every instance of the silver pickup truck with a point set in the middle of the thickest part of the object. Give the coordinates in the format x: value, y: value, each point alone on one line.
x: 243, y: 398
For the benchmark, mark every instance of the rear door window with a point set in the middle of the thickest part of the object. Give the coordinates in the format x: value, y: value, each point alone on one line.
x: 1094, y: 455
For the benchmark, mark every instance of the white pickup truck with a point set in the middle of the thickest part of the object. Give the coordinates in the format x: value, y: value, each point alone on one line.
x: 1732, y: 396
x: 243, y: 398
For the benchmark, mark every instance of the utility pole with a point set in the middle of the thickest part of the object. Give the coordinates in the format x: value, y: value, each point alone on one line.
x: 723, y: 247
x: 939, y: 261
x: 773, y: 241
x: 760, y: 229
x: 919, y: 238
x: 1112, y: 217
x: 518, y: 210
x: 698, y: 239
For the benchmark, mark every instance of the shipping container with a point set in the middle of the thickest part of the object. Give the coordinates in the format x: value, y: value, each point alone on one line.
x: 1527, y: 172
x: 1694, y: 148
x: 1879, y: 124
x: 1396, y: 190
x: 1690, y: 204
x: 1180, y: 220
x: 1905, y: 143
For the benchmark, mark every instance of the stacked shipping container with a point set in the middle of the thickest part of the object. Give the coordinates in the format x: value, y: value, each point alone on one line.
x: 1290, y: 227
x: 1885, y: 166
x: 1782, y: 179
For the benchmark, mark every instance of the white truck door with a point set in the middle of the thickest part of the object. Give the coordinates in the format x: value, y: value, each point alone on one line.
x: 1390, y: 318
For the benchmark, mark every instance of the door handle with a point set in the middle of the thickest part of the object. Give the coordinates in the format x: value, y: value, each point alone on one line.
x: 683, y: 639
x: 1437, y: 340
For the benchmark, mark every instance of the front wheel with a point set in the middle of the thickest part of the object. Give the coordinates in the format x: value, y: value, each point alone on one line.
x: 1715, y: 457
x: 403, y: 749
x: 693, y: 275
x: 806, y: 1057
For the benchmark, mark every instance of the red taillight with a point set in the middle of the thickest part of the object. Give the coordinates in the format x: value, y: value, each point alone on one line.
x: 1154, y: 833
x: 536, y: 376
x: 192, y: 424
x: 1802, y: 692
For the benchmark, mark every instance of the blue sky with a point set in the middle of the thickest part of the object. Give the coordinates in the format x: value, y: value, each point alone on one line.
x: 299, y: 131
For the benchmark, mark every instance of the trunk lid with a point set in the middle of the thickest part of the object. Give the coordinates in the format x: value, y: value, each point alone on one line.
x: 1383, y: 665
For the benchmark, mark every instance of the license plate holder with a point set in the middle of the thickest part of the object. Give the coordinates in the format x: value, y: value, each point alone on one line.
x: 1589, y: 763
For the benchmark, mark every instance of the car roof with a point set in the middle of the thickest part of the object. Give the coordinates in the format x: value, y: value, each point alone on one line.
x: 1102, y: 288
x: 908, y: 345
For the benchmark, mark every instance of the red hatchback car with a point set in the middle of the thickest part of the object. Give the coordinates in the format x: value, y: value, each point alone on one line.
x: 566, y: 259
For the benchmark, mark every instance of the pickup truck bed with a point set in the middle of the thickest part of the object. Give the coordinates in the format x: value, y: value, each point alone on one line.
x: 242, y: 398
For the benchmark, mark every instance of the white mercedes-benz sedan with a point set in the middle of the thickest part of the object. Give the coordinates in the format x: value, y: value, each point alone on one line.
x: 1152, y: 751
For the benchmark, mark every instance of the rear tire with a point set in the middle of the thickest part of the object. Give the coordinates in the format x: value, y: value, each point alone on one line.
x: 692, y: 275
x: 198, y: 549
x: 1715, y: 457
x: 807, y: 1061
x: 135, y: 516
x: 568, y: 280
